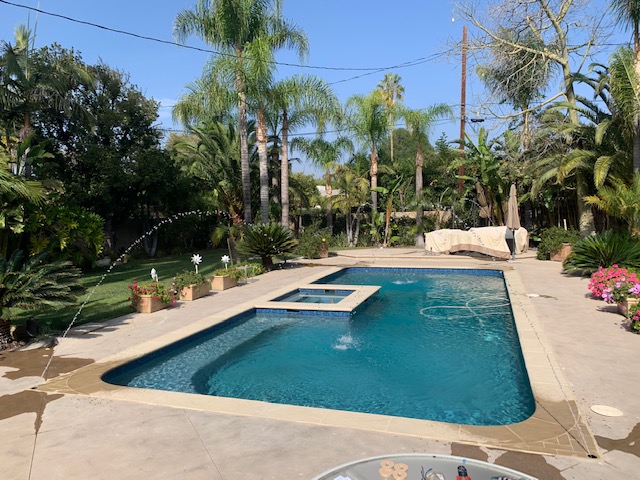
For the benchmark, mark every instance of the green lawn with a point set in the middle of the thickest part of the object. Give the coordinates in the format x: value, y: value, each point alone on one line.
x: 108, y: 296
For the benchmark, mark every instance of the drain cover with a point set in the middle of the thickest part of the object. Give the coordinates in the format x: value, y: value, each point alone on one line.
x: 606, y: 411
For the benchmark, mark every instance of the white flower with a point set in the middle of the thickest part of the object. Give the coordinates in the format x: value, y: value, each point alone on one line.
x: 196, y: 259
x: 225, y: 259
x: 154, y: 275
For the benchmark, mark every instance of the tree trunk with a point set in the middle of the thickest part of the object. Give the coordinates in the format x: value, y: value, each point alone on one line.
x: 329, y: 191
x: 419, y: 185
x: 284, y: 171
x: 5, y: 332
x: 244, y: 147
x: 261, y: 135
x: 374, y: 179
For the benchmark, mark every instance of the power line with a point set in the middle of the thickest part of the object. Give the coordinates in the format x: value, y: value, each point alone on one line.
x: 214, y: 52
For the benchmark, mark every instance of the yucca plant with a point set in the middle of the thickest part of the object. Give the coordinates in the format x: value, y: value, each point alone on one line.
x: 267, y: 240
x: 603, y: 250
x: 34, y: 284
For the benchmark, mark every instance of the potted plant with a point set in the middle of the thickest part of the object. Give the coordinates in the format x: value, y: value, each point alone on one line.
x: 556, y: 243
x: 150, y: 297
x: 634, y: 317
x: 191, y: 285
x: 222, y: 278
x: 624, y: 293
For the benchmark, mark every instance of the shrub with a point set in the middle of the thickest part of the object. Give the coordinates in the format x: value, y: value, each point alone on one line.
x: 188, y: 277
x: 267, y: 240
x: 607, y: 248
x: 253, y: 270
x: 311, y: 240
x: 551, y: 241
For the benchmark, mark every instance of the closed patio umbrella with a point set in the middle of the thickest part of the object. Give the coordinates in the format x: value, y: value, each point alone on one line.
x: 513, y: 219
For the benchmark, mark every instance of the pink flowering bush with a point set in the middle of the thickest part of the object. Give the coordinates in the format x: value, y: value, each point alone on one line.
x: 609, y: 282
x: 634, y: 317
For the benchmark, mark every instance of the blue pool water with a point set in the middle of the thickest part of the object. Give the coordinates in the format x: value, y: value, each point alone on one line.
x: 432, y: 344
x: 306, y: 295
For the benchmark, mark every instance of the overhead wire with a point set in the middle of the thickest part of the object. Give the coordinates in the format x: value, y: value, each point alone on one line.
x: 372, y: 70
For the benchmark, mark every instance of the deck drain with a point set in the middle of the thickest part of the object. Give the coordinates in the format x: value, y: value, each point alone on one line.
x: 606, y: 411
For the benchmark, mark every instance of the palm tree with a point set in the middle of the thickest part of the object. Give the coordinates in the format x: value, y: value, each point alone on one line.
x: 301, y: 100
x: 391, y: 91
x: 33, y: 284
x: 353, y: 191
x: 621, y: 201
x: 365, y: 118
x: 244, y: 31
x: 325, y: 154
x: 419, y: 122
x: 210, y: 154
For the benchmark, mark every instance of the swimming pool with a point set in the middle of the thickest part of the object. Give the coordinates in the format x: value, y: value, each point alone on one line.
x: 433, y: 344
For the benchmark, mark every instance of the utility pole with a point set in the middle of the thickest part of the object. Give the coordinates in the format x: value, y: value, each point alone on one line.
x: 463, y: 101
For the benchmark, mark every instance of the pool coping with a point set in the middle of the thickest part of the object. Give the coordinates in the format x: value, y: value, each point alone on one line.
x: 555, y: 428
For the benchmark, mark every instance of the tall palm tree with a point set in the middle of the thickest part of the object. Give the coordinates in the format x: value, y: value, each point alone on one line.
x: 325, y: 154
x: 243, y: 31
x: 419, y: 122
x: 391, y: 91
x: 366, y: 120
x: 300, y: 100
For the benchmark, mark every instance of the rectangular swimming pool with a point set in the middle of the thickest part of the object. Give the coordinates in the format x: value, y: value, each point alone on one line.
x: 432, y: 344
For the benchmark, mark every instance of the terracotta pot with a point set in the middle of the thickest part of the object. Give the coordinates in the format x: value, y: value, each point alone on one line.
x: 561, y: 254
x: 223, y: 282
x: 323, y: 250
x: 193, y: 292
x: 623, y: 307
x: 148, y: 304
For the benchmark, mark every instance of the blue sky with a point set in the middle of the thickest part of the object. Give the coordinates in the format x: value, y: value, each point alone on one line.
x: 347, y: 34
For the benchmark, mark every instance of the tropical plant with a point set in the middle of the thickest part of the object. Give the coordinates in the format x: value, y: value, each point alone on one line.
x: 366, y: 120
x: 551, y: 241
x: 268, y: 240
x: 325, y: 154
x: 188, y: 277
x: 300, y: 100
x: 351, y: 200
x: 607, y: 248
x: 391, y: 90
x: 419, y: 122
x: 32, y: 284
x: 621, y: 201
x: 246, y: 33
x: 388, y: 193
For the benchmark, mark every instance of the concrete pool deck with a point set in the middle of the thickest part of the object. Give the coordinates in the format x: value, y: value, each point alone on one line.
x: 88, y: 430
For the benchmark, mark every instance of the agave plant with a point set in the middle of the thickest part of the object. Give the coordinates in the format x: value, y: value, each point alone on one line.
x: 603, y: 250
x: 33, y: 284
x: 267, y: 240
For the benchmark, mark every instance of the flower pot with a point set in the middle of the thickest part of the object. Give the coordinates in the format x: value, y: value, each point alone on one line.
x: 561, y: 254
x: 223, y: 282
x: 323, y: 250
x: 623, y: 306
x: 149, y: 304
x: 193, y: 292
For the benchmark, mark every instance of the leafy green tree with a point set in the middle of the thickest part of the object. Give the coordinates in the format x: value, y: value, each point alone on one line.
x: 244, y: 31
x: 621, y: 201
x: 326, y: 155
x: 32, y: 284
